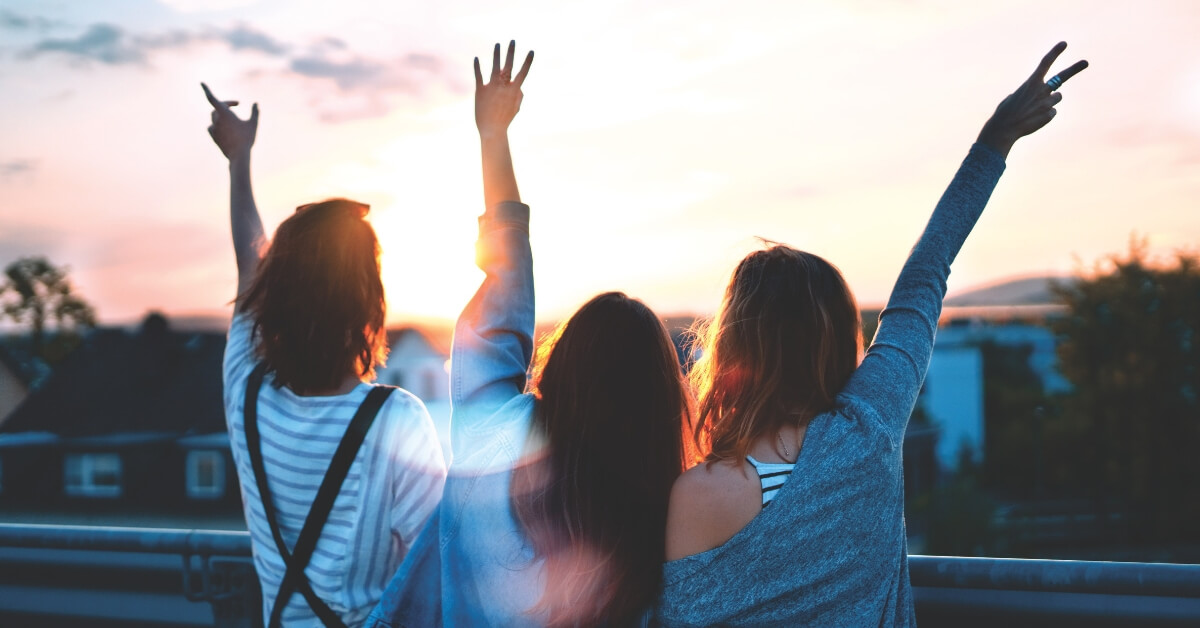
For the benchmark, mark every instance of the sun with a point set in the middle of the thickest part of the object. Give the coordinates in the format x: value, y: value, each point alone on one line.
x: 427, y: 264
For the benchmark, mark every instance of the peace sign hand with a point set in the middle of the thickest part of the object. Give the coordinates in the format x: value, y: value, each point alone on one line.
x: 498, y: 101
x: 1029, y: 108
x: 232, y: 135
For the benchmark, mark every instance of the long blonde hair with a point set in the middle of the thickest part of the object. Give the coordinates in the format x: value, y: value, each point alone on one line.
x: 782, y: 345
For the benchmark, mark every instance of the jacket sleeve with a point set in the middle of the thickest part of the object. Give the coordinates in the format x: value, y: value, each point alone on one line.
x: 893, y: 370
x: 493, y: 338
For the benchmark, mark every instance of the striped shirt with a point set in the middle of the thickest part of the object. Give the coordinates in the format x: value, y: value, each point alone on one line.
x: 771, y: 475
x: 391, y: 489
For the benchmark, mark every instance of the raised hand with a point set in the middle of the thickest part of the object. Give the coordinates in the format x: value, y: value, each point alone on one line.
x: 1029, y: 108
x: 498, y: 101
x: 232, y: 135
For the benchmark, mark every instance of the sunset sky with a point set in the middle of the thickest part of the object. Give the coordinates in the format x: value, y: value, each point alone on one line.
x: 656, y: 139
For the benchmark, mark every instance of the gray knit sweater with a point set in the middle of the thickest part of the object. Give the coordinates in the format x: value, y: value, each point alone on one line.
x: 831, y: 550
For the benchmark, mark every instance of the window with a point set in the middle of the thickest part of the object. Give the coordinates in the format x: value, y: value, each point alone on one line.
x: 205, y: 474
x: 92, y: 475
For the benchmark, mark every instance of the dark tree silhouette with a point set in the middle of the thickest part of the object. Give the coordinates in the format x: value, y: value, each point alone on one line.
x: 36, y: 293
x: 1130, y: 345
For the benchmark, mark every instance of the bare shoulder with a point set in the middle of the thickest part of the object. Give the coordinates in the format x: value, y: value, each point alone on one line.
x: 710, y: 504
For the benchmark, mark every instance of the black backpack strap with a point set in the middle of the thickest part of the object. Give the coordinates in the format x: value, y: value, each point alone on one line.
x: 294, y: 579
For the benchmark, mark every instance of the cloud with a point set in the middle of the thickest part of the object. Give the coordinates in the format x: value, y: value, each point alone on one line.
x: 17, y: 241
x: 101, y: 42
x: 16, y: 167
x: 406, y: 74
x: 345, y: 74
x: 366, y: 86
x: 243, y: 37
x: 110, y: 45
x: 16, y: 22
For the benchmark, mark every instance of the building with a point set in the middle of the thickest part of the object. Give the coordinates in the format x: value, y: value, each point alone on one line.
x: 129, y: 426
x: 953, y: 395
x: 14, y: 386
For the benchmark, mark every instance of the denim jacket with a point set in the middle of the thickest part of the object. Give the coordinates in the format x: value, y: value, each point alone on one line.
x: 471, y: 564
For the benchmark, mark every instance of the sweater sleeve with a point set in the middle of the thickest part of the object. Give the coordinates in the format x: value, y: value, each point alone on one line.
x: 893, y: 370
x: 493, y: 338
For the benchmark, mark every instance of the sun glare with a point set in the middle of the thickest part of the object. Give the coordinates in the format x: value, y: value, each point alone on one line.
x: 428, y: 266
x: 427, y: 227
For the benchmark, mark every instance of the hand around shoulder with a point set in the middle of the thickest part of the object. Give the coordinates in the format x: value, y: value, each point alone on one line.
x: 710, y: 503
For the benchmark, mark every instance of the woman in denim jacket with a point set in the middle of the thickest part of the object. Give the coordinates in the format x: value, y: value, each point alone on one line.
x: 555, y: 503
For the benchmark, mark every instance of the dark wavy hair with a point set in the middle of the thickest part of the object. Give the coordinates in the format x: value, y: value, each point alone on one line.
x: 783, y: 344
x: 317, y: 300
x: 615, y: 412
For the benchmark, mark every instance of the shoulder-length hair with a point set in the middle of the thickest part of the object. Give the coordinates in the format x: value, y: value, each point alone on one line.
x: 615, y: 412
x: 784, y: 342
x: 317, y: 300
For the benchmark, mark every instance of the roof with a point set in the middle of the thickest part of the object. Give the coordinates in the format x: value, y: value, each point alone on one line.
x: 151, y: 379
x: 28, y: 370
x: 438, y: 338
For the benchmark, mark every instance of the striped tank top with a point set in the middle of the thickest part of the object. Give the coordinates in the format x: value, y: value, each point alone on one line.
x: 771, y: 475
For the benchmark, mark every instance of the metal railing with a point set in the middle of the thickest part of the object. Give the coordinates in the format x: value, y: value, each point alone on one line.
x: 216, y: 569
x: 214, y: 583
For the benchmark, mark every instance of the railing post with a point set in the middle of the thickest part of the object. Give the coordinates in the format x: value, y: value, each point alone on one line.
x: 234, y: 593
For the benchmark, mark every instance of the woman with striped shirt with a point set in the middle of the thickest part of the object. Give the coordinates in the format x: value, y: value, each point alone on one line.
x: 306, y: 335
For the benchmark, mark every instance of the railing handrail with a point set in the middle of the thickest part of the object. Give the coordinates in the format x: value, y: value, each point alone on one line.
x: 1058, y: 576
x: 118, y: 539
x: 954, y: 572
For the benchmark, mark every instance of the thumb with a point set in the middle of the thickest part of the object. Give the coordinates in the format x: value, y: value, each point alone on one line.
x: 254, y: 113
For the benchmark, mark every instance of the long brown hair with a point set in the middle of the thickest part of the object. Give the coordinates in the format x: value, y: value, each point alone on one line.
x: 614, y: 410
x: 317, y: 300
x: 782, y: 345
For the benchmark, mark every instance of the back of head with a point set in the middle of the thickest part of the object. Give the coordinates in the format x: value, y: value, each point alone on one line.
x: 317, y: 300
x: 784, y: 342
x: 614, y: 409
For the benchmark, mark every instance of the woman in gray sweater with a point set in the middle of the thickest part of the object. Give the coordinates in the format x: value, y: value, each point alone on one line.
x: 795, y: 421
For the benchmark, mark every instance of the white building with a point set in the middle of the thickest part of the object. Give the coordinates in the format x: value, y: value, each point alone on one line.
x: 953, y: 395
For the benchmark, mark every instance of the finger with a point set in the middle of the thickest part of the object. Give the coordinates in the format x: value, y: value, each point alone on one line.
x: 1041, y: 119
x: 520, y: 77
x: 230, y: 103
x: 478, y: 75
x: 508, y: 59
x: 495, y: 62
x: 215, y: 115
x: 1046, y: 102
x: 254, y: 113
x: 1071, y: 71
x: 212, y: 100
x: 1048, y: 60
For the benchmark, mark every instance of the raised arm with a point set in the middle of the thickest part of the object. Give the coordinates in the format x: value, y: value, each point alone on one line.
x: 496, y: 104
x: 493, y: 340
x: 894, y: 368
x: 235, y: 137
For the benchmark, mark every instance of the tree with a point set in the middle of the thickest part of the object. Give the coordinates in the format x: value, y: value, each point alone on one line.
x: 1130, y: 345
x: 1017, y: 409
x: 36, y: 292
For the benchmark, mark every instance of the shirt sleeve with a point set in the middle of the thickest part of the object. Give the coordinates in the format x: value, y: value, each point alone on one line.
x: 493, y: 338
x: 890, y: 376
x: 417, y: 466
x: 239, y: 357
